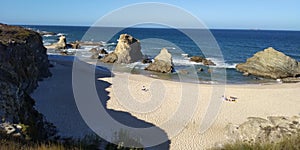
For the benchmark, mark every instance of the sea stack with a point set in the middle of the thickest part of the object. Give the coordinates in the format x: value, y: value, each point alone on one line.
x: 162, y: 62
x: 128, y: 50
x: 61, y: 44
x: 270, y: 63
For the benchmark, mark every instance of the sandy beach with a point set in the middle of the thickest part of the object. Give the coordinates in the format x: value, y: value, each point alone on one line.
x: 160, y: 100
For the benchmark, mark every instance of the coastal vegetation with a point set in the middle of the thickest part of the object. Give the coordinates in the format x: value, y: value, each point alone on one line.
x: 288, y: 143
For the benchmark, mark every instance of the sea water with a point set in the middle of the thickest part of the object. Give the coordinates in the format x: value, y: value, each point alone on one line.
x: 235, y: 45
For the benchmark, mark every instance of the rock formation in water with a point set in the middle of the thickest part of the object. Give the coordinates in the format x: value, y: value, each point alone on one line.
x: 61, y: 44
x: 270, y: 63
x: 257, y: 130
x: 162, y: 62
x: 128, y: 50
x: 23, y: 62
x: 199, y: 59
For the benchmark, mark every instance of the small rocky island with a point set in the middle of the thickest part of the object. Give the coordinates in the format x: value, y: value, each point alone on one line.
x: 271, y: 63
x: 162, y: 62
x: 128, y: 50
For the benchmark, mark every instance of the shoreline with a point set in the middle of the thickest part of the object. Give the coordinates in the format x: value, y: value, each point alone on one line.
x: 54, y: 95
x: 155, y: 75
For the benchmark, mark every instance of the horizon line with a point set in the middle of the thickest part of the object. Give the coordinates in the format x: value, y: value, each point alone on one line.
x: 64, y: 25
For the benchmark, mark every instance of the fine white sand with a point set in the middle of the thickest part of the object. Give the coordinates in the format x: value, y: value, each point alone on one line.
x: 161, y: 100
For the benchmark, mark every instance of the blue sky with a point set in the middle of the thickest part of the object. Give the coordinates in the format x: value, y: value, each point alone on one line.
x: 222, y: 14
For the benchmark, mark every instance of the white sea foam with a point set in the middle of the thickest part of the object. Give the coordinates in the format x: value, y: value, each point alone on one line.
x: 47, y: 35
x: 46, y: 43
x: 168, y: 48
x: 185, y: 55
x: 184, y: 61
x: 137, y: 65
x: 222, y: 64
x: 219, y: 63
x: 60, y: 34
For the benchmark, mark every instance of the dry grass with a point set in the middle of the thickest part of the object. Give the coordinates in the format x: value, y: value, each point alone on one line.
x: 291, y: 143
x: 15, y: 145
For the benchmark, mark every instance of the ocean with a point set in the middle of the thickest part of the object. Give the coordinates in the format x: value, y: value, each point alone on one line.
x: 235, y: 45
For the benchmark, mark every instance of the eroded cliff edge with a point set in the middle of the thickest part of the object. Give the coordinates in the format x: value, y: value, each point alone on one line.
x: 23, y: 62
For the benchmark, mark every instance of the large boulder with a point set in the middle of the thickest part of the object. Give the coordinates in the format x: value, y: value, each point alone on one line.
x: 256, y: 130
x: 61, y: 44
x: 128, y: 50
x: 270, y: 63
x: 162, y: 62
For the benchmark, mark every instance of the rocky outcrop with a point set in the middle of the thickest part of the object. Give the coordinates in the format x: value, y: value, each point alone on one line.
x: 23, y: 62
x: 199, y: 59
x: 270, y: 63
x: 61, y: 44
x: 162, y: 62
x: 110, y: 58
x: 257, y: 130
x: 97, y: 54
x: 128, y: 50
x: 74, y: 45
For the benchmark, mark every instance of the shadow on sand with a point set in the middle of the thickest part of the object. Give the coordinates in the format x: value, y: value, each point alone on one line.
x: 54, y: 98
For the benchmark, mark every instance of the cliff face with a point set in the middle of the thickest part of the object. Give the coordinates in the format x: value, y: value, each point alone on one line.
x: 23, y: 62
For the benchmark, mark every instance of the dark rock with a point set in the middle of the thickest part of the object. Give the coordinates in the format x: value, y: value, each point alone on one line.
x: 197, y: 59
x: 162, y: 62
x: 74, y: 45
x: 270, y: 63
x: 200, y: 69
x: 22, y: 64
x: 97, y: 54
x: 208, y: 62
x: 109, y: 58
x: 146, y: 61
x: 103, y: 51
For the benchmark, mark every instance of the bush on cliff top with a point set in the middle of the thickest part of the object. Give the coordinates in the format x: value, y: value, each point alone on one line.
x: 13, y: 33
